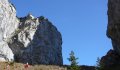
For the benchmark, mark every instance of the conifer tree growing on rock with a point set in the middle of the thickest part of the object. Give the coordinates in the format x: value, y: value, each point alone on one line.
x: 99, y: 66
x: 73, y: 61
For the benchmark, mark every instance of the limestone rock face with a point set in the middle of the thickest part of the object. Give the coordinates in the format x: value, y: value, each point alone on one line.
x: 39, y: 42
x: 28, y: 39
x: 6, y: 53
x: 113, y: 29
x: 8, y: 24
x: 8, y: 20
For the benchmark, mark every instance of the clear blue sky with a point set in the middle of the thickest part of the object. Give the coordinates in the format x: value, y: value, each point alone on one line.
x: 82, y: 24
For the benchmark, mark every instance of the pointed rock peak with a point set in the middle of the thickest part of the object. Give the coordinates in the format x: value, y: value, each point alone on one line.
x: 30, y: 16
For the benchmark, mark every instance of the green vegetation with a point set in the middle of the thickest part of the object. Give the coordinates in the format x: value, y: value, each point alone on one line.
x: 73, y: 61
x: 99, y: 66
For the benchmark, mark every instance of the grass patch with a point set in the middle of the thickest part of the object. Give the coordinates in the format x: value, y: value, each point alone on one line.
x: 20, y: 66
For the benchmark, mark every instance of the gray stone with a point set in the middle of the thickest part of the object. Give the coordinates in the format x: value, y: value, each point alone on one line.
x: 40, y: 42
x: 29, y: 39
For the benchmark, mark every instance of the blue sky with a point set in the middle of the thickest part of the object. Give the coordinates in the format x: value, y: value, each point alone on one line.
x: 82, y: 23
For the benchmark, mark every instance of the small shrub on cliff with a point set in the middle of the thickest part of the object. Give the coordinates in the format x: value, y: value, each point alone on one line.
x: 73, y: 61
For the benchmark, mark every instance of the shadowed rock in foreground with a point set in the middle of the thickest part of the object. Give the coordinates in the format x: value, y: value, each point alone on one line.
x: 111, y: 61
x: 113, y: 29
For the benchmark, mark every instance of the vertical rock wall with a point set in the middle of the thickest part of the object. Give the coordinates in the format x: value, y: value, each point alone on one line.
x: 113, y: 29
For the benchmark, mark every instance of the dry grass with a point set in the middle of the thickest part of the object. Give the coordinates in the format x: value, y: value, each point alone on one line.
x: 20, y: 66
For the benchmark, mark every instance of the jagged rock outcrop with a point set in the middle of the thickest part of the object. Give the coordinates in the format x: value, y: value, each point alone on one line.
x: 111, y: 61
x: 28, y: 39
x: 38, y: 40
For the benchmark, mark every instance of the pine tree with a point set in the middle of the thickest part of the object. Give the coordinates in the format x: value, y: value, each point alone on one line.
x: 73, y: 61
x: 98, y: 65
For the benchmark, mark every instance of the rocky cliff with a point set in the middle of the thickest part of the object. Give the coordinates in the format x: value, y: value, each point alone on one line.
x: 28, y: 39
x: 113, y: 29
x: 112, y: 58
